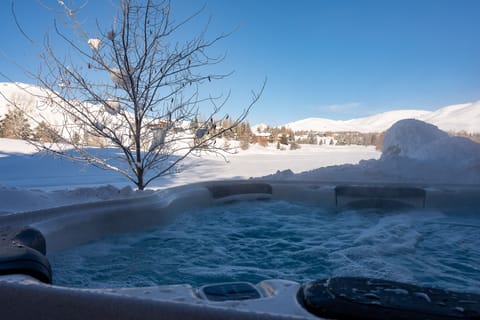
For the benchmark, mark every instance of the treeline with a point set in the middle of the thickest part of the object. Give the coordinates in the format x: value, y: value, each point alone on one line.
x: 472, y: 136
x: 339, y: 138
x: 287, y: 136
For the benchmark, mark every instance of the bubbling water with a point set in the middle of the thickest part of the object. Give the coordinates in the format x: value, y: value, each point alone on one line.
x: 254, y: 241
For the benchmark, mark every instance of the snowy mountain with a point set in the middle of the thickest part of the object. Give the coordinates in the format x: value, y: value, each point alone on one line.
x: 461, y: 117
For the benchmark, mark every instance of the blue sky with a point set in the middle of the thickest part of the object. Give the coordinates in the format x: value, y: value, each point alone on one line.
x: 334, y: 59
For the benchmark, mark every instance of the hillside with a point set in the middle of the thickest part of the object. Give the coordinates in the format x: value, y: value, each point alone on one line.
x: 32, y: 99
x: 461, y: 117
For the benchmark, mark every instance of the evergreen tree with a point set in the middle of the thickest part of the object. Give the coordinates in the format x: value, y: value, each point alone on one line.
x: 294, y: 145
x: 45, y: 133
x: 244, y: 134
x: 15, y: 125
x: 284, y: 139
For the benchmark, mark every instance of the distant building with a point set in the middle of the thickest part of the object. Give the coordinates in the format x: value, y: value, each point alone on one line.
x: 262, y: 137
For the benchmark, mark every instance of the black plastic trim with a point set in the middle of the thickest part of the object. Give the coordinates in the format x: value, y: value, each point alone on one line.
x: 219, y: 191
x: 22, y: 251
x: 375, y: 299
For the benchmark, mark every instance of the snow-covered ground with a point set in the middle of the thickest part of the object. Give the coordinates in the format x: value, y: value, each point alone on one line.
x: 413, y: 152
x: 31, y: 181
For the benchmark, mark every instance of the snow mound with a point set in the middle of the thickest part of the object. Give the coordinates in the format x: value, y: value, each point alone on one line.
x: 406, y: 137
x: 415, y: 139
x: 450, y: 150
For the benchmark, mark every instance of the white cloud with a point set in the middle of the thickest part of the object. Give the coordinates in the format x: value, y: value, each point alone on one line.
x: 342, y: 107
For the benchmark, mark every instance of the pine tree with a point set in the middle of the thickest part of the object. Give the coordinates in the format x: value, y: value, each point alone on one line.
x: 244, y: 134
x: 45, y: 133
x: 284, y: 139
x: 15, y: 126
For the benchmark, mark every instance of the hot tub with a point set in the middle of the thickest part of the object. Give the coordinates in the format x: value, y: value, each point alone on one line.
x: 69, y: 227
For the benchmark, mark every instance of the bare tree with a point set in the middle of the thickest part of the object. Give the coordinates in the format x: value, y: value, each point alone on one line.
x: 133, y: 86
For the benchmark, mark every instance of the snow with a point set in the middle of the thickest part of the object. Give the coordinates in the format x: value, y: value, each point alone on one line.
x: 406, y: 137
x: 32, y: 99
x: 421, y: 141
x: 31, y: 180
x: 94, y: 43
x: 413, y: 152
x: 41, y: 104
x: 455, y: 118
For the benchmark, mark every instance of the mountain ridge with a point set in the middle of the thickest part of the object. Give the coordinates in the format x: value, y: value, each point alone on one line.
x: 456, y: 118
